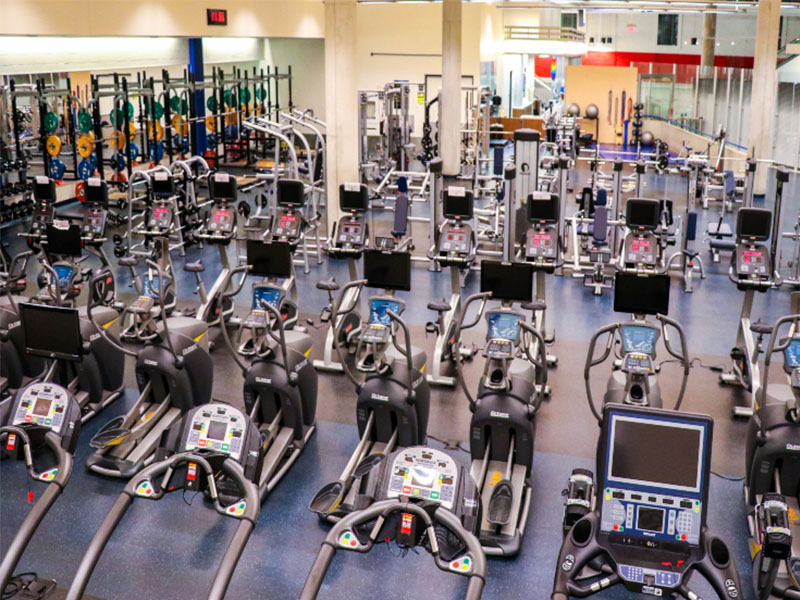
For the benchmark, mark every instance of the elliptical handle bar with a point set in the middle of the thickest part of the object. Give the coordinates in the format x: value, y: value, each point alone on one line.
x: 683, y: 357
x: 772, y: 348
x: 290, y: 376
x: 234, y: 271
x: 230, y: 294
x: 337, y: 329
x: 94, y: 282
x: 592, y: 362
x: 540, y: 364
x: 54, y: 275
x: 483, y: 297
x: 161, y: 285
x: 405, y: 352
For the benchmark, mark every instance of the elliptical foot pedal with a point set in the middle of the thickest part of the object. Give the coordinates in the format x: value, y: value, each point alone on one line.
x: 499, y: 512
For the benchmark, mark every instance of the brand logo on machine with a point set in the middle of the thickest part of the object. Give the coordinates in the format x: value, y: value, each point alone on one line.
x: 652, y: 591
x: 569, y: 562
x: 14, y: 325
x: 152, y: 363
x: 266, y: 380
x: 470, y: 503
x: 94, y: 337
x: 794, y: 447
x: 499, y: 415
x: 191, y: 348
x: 380, y: 397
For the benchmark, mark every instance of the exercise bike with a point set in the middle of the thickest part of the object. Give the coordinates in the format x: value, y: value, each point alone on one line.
x: 40, y: 426
x: 752, y: 269
x: 350, y: 239
x: 174, y: 374
x: 510, y: 393
x: 280, y: 384
x: 394, y: 399
x: 209, y: 442
x: 634, y: 378
x: 455, y: 248
x: 422, y: 498
x: 772, y: 484
x: 644, y: 524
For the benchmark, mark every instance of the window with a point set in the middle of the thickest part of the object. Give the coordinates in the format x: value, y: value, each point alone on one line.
x: 667, y: 30
x: 569, y: 20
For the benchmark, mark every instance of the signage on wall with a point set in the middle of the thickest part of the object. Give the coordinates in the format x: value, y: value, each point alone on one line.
x: 217, y: 16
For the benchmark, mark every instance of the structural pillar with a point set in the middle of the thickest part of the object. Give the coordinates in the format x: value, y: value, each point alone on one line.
x: 196, y: 68
x: 709, y: 41
x: 765, y: 87
x: 341, y: 101
x: 450, y: 101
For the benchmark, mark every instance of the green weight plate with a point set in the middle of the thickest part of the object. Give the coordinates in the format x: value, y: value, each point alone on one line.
x: 175, y: 103
x: 50, y: 122
x: 184, y: 107
x: 85, y: 121
x: 117, y: 118
x: 130, y: 110
x: 211, y: 103
x: 259, y: 93
x: 158, y: 110
x: 227, y: 95
x: 245, y: 95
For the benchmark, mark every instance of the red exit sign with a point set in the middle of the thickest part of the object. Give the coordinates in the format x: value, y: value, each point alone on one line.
x: 216, y: 16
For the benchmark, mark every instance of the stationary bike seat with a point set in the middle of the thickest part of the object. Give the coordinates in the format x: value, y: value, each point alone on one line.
x: 761, y: 328
x: 329, y: 285
x: 194, y: 267
x: 535, y: 305
x: 690, y: 254
x: 439, y: 306
x: 128, y: 261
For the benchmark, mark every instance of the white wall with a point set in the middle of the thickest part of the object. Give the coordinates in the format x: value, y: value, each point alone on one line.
x: 307, y: 59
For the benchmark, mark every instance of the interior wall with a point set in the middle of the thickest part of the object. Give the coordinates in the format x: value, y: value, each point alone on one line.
x: 307, y: 59
x: 586, y: 85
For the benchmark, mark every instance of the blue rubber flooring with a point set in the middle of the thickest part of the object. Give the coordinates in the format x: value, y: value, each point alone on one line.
x: 171, y: 548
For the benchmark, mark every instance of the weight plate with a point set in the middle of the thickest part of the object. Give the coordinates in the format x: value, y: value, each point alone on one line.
x: 57, y: 169
x: 53, y: 145
x: 158, y: 109
x: 85, y: 146
x: 259, y: 93
x: 210, y: 123
x: 117, y: 140
x: 175, y: 103
x: 93, y: 160
x: 116, y: 117
x: 159, y: 131
x: 157, y: 151
x: 85, y: 169
x: 134, y: 151
x: 131, y: 130
x: 80, y: 191
x: 184, y: 108
x: 181, y: 126
x: 228, y: 97
x: 662, y: 162
x: 245, y: 95
x: 211, y: 141
x: 184, y: 144
x: 211, y: 103
x: 85, y: 121
x: 129, y: 106
x: 119, y: 161
x: 50, y: 122
x: 243, y: 208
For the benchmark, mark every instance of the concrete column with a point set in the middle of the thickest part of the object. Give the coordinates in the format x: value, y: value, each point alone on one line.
x: 341, y: 101
x: 765, y: 80
x: 709, y: 40
x: 450, y: 103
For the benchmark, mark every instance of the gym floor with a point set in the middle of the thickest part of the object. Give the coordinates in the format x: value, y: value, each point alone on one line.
x: 170, y: 549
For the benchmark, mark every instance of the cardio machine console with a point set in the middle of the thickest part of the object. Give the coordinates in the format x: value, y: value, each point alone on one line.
x: 272, y: 295
x: 455, y: 243
x: 639, y: 346
x: 94, y: 226
x: 503, y: 332
x: 286, y: 226
x: 160, y: 219
x: 41, y: 219
x: 640, y: 250
x: 654, y: 494
x: 221, y: 223
x: 423, y: 474
x: 351, y: 234
x: 791, y: 361
x: 541, y: 242
x: 379, y: 327
x: 217, y: 427
x: 753, y: 264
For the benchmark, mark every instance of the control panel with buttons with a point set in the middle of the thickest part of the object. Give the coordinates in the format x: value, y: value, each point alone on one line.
x: 652, y: 516
x: 540, y: 245
x: 219, y: 428
x: 424, y: 473
x: 43, y: 404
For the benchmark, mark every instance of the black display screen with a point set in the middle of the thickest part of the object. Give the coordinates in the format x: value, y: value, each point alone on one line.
x: 650, y: 519
x: 223, y: 187
x: 543, y: 209
x: 269, y: 259
x: 753, y: 223
x: 51, y: 331
x: 658, y: 454
x: 641, y: 295
x: 353, y: 200
x: 216, y: 430
x: 507, y: 281
x: 44, y: 191
x: 387, y: 270
x: 457, y: 206
x: 641, y: 213
x: 64, y: 242
x: 291, y: 192
x: 97, y: 193
x: 163, y: 184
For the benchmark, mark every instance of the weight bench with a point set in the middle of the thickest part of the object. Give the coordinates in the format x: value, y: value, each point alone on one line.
x: 719, y: 233
x: 599, y: 252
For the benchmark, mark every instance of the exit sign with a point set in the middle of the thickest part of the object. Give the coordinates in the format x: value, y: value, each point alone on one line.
x: 217, y: 16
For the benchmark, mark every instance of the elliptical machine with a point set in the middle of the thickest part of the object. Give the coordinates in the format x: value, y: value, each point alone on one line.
x: 424, y: 498
x: 280, y: 383
x: 455, y: 247
x: 40, y: 426
x: 634, y: 378
x: 174, y: 374
x: 752, y: 269
x: 644, y: 524
x: 641, y: 251
x: 393, y: 400
x: 510, y: 393
x: 772, y: 488
x: 209, y: 442
x: 351, y: 238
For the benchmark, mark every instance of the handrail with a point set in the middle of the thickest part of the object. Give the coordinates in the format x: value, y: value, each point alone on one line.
x: 564, y: 34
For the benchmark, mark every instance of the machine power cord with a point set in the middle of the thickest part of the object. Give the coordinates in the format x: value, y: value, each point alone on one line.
x: 22, y: 582
x: 727, y: 477
x: 696, y: 360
